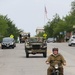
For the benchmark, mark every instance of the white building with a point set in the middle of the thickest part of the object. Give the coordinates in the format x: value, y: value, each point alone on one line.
x: 39, y: 29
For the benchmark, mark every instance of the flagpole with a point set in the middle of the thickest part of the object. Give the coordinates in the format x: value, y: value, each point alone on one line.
x: 45, y: 13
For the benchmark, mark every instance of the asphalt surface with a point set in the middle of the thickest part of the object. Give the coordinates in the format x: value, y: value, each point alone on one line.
x: 14, y: 61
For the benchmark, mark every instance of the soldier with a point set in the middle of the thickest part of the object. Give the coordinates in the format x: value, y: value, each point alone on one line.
x: 53, y: 59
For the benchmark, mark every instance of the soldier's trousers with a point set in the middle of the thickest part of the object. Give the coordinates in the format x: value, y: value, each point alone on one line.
x: 50, y: 69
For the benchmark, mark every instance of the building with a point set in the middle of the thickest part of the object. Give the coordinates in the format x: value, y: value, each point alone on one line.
x: 39, y: 29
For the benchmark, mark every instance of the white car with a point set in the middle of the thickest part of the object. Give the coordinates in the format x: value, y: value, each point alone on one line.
x: 71, y: 41
x: 50, y: 40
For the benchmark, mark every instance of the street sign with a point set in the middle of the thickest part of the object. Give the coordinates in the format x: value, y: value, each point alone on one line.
x: 45, y: 35
x: 11, y: 36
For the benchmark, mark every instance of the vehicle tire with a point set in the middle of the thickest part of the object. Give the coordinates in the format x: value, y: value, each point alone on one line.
x: 27, y: 54
x: 70, y: 45
x: 45, y: 54
x: 15, y: 45
x: 12, y: 47
x: 2, y: 47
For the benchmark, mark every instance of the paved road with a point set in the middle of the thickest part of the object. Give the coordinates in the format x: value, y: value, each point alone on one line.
x: 14, y: 62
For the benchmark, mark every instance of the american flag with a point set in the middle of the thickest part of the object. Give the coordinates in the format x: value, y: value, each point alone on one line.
x: 45, y: 10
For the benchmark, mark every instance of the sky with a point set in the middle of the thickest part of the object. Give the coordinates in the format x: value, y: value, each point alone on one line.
x: 30, y: 14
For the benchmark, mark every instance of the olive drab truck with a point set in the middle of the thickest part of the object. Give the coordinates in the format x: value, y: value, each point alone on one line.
x: 23, y: 36
x: 35, y: 45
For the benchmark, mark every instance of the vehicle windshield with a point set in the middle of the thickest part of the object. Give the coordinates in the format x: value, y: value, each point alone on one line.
x: 35, y: 40
x: 7, y: 39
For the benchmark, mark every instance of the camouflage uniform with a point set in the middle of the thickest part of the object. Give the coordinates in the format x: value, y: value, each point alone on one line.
x: 55, y: 59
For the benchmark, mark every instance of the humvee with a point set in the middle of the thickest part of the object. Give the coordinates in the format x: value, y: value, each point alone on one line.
x: 35, y: 45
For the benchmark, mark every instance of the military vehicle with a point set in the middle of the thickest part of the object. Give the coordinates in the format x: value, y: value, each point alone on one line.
x: 35, y: 45
x: 23, y: 36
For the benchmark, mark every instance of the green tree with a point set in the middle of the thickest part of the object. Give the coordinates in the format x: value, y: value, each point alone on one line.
x: 58, y: 26
x: 49, y: 27
x: 73, y: 7
x: 7, y: 27
x: 3, y: 25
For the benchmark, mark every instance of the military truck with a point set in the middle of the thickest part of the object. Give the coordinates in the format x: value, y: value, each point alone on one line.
x: 23, y: 36
x: 35, y: 45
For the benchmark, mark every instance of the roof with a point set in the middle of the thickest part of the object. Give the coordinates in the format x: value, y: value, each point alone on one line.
x: 39, y: 28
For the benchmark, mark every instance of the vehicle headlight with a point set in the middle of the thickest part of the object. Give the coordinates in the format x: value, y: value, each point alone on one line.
x: 12, y: 43
x: 27, y: 44
x: 22, y: 37
x: 56, y: 66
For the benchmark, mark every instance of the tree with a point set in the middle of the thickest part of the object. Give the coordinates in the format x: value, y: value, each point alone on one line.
x: 49, y: 27
x: 3, y: 26
x: 73, y: 7
x: 58, y: 26
x: 7, y: 27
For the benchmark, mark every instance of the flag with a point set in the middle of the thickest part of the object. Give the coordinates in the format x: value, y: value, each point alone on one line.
x: 45, y: 14
x: 45, y: 10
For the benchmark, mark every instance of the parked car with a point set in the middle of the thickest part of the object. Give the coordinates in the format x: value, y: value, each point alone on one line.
x: 71, y: 40
x: 49, y: 40
x: 8, y: 42
x: 35, y: 45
